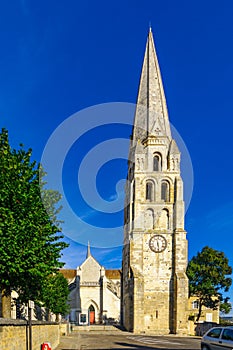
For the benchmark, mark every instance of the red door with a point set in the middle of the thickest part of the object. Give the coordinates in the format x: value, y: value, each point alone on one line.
x: 92, y: 314
x: 92, y: 317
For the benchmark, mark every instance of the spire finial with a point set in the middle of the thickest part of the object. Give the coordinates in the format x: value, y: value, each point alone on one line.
x: 88, y: 250
x: 150, y: 28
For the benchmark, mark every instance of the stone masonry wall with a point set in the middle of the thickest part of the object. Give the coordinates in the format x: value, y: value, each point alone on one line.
x: 13, y: 334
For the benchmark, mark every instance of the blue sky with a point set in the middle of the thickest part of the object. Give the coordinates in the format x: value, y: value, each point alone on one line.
x: 59, y: 57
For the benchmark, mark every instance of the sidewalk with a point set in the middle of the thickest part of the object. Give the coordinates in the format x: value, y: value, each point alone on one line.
x: 70, y: 342
x: 94, y: 338
x: 89, y: 341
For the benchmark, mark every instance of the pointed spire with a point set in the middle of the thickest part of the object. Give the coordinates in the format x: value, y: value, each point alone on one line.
x: 174, y: 148
x: 88, y: 250
x: 151, y: 118
x: 150, y: 28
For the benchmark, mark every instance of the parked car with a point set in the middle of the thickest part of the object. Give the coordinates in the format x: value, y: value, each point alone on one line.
x: 218, y: 338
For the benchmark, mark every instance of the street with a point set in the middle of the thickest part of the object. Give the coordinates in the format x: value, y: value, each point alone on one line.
x: 127, y: 341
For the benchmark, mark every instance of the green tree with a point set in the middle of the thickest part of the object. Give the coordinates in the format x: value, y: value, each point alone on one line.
x: 209, y: 275
x: 225, y: 306
x: 55, y: 294
x: 31, y: 244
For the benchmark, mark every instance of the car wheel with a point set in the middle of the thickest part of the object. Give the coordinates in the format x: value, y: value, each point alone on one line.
x: 204, y: 347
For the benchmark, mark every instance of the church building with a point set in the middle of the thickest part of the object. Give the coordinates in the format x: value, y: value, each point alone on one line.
x: 150, y: 294
x: 94, y: 293
x: 155, y: 285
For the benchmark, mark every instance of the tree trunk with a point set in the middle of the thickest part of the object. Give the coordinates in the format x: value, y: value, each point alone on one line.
x: 199, y: 311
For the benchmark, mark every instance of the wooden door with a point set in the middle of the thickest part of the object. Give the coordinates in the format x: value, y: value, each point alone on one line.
x: 92, y: 317
x: 92, y: 314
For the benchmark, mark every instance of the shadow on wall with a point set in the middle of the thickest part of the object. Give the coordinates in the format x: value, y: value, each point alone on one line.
x: 202, y: 328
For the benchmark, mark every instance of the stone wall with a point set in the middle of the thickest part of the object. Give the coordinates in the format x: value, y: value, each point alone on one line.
x: 199, y: 329
x: 13, y: 334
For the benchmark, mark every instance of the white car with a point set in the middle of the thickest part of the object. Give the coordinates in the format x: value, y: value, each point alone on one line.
x: 218, y: 338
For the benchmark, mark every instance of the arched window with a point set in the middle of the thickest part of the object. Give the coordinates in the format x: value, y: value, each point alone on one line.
x: 149, y: 191
x: 157, y: 163
x: 149, y: 219
x: 164, y: 219
x: 165, y: 195
x: 91, y: 308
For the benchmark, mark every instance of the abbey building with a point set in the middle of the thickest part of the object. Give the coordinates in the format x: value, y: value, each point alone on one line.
x: 155, y: 285
x: 150, y: 293
x: 94, y: 293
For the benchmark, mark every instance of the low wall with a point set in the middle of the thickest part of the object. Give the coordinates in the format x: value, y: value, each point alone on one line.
x: 200, y: 328
x: 13, y: 334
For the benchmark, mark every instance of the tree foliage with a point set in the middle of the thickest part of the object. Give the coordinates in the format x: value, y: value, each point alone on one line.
x: 209, y: 275
x: 55, y: 294
x: 31, y: 244
x: 225, y: 306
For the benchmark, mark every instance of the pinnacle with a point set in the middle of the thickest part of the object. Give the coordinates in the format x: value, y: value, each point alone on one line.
x: 151, y: 118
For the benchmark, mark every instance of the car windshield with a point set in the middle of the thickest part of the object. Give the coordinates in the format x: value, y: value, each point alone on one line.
x: 214, y: 333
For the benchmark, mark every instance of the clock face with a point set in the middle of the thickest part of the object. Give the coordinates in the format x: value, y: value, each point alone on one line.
x: 158, y: 243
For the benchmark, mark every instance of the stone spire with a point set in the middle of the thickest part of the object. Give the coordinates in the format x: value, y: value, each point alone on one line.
x: 155, y: 288
x: 151, y: 117
x: 88, y: 250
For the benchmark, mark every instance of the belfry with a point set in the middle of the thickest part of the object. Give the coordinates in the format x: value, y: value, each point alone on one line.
x: 155, y: 285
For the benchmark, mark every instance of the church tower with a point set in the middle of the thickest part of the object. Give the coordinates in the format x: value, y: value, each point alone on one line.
x: 155, y: 285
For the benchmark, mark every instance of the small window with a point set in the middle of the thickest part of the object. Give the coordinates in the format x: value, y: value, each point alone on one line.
x: 149, y: 191
x: 157, y: 164
x: 209, y: 317
x: 195, y: 304
x: 214, y: 333
x: 165, y: 191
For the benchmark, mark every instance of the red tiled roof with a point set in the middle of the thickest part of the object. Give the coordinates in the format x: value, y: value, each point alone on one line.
x: 113, y: 274
x: 68, y: 273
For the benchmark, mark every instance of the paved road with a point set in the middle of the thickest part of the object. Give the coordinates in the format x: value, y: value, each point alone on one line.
x: 127, y: 341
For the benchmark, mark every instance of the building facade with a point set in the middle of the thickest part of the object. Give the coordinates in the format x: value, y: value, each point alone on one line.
x: 207, y: 315
x: 94, y: 293
x: 155, y: 285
